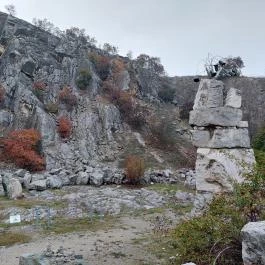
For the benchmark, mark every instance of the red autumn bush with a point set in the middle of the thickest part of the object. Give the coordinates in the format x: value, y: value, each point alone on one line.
x: 21, y: 148
x: 125, y: 101
x: 134, y: 169
x: 39, y: 89
x: 67, y: 97
x: 117, y: 66
x: 64, y: 127
x: 39, y: 85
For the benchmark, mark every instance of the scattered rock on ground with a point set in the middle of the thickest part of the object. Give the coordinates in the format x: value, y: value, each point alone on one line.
x: 253, y: 243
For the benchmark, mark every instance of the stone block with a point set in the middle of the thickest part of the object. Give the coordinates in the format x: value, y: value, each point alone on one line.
x: 253, y: 243
x: 242, y: 124
x: 200, y: 138
x: 222, y: 138
x: 218, y: 169
x: 222, y: 116
x: 209, y: 95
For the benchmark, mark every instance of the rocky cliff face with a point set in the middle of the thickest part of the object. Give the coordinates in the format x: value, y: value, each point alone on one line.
x: 32, y: 55
x: 35, y: 66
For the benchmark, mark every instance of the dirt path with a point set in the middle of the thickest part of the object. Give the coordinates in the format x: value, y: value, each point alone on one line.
x: 116, y: 246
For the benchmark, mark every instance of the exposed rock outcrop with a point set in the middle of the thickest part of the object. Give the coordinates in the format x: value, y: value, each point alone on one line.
x: 11, y: 186
x: 253, y: 243
x: 224, y: 155
x: 50, y: 257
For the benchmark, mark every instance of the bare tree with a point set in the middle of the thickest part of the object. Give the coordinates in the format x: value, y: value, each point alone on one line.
x: 110, y: 48
x: 44, y: 24
x: 11, y: 9
x: 153, y: 64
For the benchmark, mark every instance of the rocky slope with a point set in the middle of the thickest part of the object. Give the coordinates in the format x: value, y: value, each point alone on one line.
x: 35, y: 66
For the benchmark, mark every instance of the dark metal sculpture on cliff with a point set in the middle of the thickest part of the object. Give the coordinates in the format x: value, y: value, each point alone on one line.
x: 224, y: 67
x: 220, y: 68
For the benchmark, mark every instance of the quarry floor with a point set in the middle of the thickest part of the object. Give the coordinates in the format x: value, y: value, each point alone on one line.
x: 123, y: 238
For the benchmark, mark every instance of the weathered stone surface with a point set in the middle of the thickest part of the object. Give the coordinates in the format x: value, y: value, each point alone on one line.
x: 26, y: 180
x: 32, y: 259
x: 39, y: 185
x: 209, y: 95
x: 6, y: 118
x: 82, y: 178
x: 218, y: 169
x: 233, y: 98
x: 222, y: 116
x: 54, y: 182
x: 51, y: 257
x: 230, y: 138
x: 253, y: 243
x: 242, y: 124
x: 221, y: 138
x: 96, y: 178
x: 200, y: 138
x: 12, y: 186
x: 2, y: 191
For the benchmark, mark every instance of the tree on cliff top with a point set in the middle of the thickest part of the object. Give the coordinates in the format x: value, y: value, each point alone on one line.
x: 10, y: 9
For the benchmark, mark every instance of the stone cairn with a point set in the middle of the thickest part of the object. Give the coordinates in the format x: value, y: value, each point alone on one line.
x: 224, y: 155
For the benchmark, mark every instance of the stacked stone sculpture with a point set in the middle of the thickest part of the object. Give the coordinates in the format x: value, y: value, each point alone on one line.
x: 224, y: 155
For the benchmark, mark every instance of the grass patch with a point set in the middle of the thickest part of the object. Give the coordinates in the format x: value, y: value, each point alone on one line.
x: 63, y: 226
x: 28, y: 204
x: 11, y: 238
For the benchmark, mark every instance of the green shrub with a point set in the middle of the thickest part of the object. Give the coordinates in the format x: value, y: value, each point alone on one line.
x: 215, y: 236
x: 167, y: 94
x: 163, y: 134
x: 52, y: 107
x: 101, y: 63
x: 259, y: 140
x: 83, y: 79
x: 185, y: 109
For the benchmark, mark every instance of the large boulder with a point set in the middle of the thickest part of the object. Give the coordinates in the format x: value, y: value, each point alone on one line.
x: 26, y: 180
x: 12, y: 186
x: 54, y: 182
x: 253, y: 243
x: 96, y: 178
x: 38, y: 185
x: 82, y: 178
x: 218, y: 169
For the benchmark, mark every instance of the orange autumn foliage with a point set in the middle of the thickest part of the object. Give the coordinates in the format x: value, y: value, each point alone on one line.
x: 64, y: 127
x: 20, y: 147
x: 67, y: 97
x: 134, y: 169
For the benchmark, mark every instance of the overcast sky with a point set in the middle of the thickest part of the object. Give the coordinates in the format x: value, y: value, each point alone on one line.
x: 180, y: 32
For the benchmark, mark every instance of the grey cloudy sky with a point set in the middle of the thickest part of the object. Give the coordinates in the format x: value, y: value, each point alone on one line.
x: 180, y: 32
